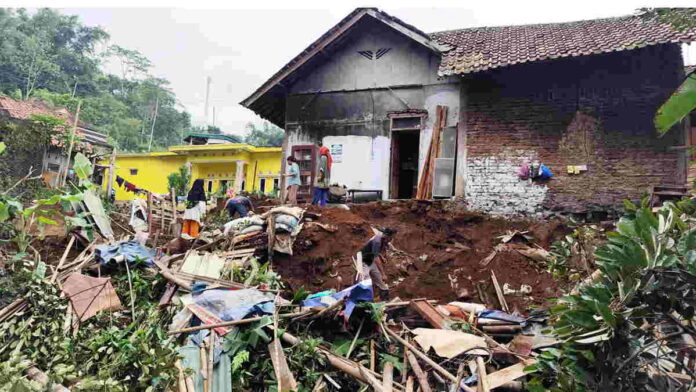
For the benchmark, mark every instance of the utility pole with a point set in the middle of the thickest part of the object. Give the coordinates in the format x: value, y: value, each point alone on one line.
x: 154, y: 120
x: 207, y: 98
x: 213, y: 115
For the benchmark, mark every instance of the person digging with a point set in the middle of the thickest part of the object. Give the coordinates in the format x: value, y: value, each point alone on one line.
x: 371, y: 257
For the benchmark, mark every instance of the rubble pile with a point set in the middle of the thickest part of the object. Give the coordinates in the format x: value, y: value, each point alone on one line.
x: 276, y: 302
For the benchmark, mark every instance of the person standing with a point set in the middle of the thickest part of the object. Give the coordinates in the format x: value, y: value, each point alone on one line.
x: 195, y: 210
x: 238, y: 205
x: 294, y: 181
x: 371, y: 254
x: 323, y: 180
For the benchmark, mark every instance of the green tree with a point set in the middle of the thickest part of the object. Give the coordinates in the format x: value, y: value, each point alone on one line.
x: 267, y: 135
x: 52, y: 56
x: 180, y: 180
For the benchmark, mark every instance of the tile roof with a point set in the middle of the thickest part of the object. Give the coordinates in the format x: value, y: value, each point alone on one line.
x: 23, y: 110
x: 483, y: 48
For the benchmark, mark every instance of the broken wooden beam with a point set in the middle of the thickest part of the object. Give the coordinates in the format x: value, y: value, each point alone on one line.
x: 429, y: 313
x: 286, y: 380
x: 499, y: 293
x: 510, y: 373
x: 420, y: 375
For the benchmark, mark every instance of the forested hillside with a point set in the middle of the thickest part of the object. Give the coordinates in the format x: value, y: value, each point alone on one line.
x: 52, y: 56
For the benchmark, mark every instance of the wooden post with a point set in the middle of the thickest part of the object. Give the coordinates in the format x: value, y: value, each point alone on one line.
x: 64, y: 175
x: 112, y: 168
x: 172, y: 226
x: 149, y: 212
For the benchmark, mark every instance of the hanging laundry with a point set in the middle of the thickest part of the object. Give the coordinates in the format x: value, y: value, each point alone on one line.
x: 545, y: 172
x: 129, y: 187
x: 524, y: 172
x: 119, y: 180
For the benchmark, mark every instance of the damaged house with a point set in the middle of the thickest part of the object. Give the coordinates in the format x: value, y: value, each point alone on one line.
x: 577, y: 97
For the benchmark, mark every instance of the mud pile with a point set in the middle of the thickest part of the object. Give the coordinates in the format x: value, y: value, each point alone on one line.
x: 436, y: 253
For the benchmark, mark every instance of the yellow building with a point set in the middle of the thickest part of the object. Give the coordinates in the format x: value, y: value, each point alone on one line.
x: 217, y: 159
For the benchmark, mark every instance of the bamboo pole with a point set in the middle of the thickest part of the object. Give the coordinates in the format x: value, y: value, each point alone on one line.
x: 63, y: 258
x: 420, y: 375
x: 231, y: 323
x: 112, y: 168
x: 387, y: 376
x: 211, y: 358
x: 64, y: 175
x: 422, y: 356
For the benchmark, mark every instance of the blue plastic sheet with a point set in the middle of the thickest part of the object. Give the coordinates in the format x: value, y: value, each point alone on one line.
x: 500, y: 315
x: 360, y: 292
x: 231, y: 305
x: 132, y: 250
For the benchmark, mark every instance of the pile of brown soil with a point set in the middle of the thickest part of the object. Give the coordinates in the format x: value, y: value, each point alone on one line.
x: 437, y: 252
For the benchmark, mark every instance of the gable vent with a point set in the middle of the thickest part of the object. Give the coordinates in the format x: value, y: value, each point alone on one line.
x: 370, y: 55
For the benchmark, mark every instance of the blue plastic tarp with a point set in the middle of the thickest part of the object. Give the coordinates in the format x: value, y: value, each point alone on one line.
x: 231, y: 305
x: 500, y: 315
x: 360, y: 292
x: 132, y: 250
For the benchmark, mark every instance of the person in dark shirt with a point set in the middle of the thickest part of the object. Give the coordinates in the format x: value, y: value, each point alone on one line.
x: 239, y: 205
x: 371, y: 252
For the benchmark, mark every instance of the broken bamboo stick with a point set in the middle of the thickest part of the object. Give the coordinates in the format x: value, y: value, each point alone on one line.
x: 371, y: 380
x: 211, y: 360
x: 343, y: 364
x: 204, y: 365
x: 499, y: 293
x: 372, y: 355
x: 422, y: 356
x: 409, y: 384
x: 387, y: 376
x: 230, y: 323
x: 420, y: 374
x: 482, y: 385
x: 63, y: 258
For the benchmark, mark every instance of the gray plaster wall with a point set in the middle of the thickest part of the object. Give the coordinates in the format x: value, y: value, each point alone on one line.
x: 346, y: 100
x: 406, y: 62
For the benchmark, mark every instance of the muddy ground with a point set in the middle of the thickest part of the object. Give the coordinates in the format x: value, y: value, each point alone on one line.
x: 436, y: 255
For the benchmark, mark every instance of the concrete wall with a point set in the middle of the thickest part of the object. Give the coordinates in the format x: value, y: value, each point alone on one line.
x: 595, y: 111
x: 346, y: 100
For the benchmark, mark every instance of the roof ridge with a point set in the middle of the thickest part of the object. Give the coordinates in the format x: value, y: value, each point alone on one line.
x: 536, y: 24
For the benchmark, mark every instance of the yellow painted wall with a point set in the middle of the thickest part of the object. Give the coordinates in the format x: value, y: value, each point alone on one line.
x: 152, y: 172
x: 265, y: 163
x: 153, y: 169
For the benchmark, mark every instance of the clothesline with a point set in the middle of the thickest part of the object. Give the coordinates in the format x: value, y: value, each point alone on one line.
x: 129, y: 186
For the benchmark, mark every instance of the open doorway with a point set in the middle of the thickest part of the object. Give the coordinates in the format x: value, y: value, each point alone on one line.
x: 404, y: 164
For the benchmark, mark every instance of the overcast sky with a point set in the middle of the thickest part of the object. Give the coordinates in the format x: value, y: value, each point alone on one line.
x: 241, y: 48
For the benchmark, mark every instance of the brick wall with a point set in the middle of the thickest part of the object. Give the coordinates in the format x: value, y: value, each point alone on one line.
x: 595, y: 111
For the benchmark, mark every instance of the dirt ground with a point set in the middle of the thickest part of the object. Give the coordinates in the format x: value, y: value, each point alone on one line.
x: 436, y: 255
